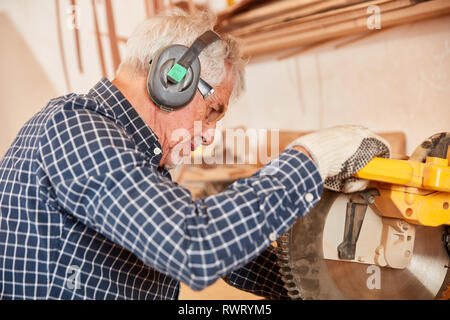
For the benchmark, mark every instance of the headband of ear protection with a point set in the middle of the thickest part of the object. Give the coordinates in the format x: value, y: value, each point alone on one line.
x: 174, y: 73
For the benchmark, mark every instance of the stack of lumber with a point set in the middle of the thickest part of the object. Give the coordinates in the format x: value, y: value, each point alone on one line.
x: 268, y: 26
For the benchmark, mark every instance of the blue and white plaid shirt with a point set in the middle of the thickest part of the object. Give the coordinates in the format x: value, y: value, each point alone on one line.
x: 86, y: 213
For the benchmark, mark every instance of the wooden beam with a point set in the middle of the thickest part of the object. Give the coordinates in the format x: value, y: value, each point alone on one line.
x: 61, y: 46
x: 270, y: 9
x: 112, y: 35
x: 149, y: 8
x: 119, y: 38
x: 158, y: 5
x: 330, y: 20
x: 304, y: 11
x: 359, y: 37
x: 420, y: 11
x: 242, y: 5
x: 99, y: 40
x: 191, y: 6
x: 250, y: 30
x: 73, y: 3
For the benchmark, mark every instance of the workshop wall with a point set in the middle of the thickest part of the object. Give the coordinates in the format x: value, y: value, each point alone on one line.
x: 396, y: 80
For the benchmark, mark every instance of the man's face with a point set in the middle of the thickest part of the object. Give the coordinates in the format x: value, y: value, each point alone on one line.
x: 195, y: 124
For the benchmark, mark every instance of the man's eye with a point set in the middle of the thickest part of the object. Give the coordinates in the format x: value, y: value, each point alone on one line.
x: 215, y: 112
x: 214, y: 107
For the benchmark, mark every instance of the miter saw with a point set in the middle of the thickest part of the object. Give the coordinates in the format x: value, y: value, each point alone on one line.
x: 390, y: 241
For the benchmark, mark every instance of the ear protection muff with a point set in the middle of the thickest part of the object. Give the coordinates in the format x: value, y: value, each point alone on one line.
x: 174, y: 73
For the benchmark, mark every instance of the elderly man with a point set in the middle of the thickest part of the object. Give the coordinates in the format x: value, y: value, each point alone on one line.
x: 88, y: 208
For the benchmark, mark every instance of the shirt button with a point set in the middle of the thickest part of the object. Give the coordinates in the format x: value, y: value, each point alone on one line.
x: 272, y: 236
x: 157, y: 151
x: 309, y: 197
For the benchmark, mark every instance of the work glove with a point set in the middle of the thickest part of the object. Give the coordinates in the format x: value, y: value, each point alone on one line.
x: 340, y: 152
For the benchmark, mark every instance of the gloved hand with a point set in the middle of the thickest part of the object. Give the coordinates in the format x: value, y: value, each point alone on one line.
x: 340, y: 152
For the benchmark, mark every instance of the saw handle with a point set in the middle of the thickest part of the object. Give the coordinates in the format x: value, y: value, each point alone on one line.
x: 434, y: 174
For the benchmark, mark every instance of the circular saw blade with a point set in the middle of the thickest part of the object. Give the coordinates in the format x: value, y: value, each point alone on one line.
x: 308, y: 275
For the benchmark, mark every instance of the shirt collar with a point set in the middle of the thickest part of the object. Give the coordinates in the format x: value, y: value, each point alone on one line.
x: 145, y: 139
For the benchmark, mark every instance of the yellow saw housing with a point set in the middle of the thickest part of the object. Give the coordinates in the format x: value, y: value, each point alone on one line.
x: 414, y: 191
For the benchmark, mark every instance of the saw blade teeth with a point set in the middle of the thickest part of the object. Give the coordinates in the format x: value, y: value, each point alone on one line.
x: 283, y: 262
x: 289, y: 281
x: 287, y: 277
x: 285, y: 267
x: 290, y: 286
x: 285, y: 271
x: 294, y: 294
x: 282, y: 257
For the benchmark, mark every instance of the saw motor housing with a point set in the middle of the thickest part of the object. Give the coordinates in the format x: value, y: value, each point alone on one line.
x: 416, y: 192
x: 379, y: 224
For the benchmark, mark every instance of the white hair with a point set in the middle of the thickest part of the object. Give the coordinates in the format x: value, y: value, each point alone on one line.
x: 179, y: 27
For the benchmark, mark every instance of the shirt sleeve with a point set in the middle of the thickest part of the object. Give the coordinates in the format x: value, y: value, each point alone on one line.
x: 97, y: 175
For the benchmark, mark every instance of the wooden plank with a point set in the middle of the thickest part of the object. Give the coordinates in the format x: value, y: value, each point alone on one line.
x: 250, y: 30
x: 112, y: 34
x: 61, y: 46
x: 98, y: 39
x: 73, y: 3
x: 417, y: 12
x: 359, y: 37
x: 158, y: 5
x: 191, y: 6
x: 359, y: 13
x: 240, y: 6
x: 219, y: 174
x: 149, y: 8
x: 270, y: 9
x: 119, y: 38
x: 304, y: 11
